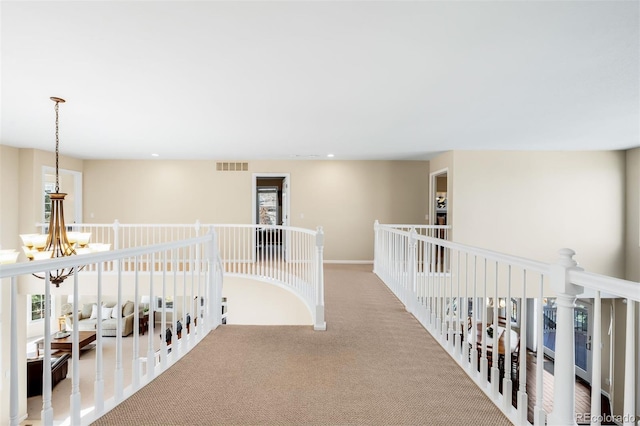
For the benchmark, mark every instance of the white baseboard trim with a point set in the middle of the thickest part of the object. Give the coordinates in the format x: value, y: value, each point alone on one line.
x: 350, y: 262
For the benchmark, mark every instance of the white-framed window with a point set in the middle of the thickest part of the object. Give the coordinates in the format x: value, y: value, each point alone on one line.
x: 49, y: 187
x: 36, y: 310
x: 70, y: 184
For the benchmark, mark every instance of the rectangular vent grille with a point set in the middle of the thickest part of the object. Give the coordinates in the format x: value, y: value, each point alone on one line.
x: 232, y: 167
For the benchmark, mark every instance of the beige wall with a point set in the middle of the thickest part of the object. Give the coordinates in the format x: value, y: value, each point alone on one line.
x: 531, y: 204
x: 633, y: 215
x: 344, y: 197
x: 9, y: 213
x: 9, y: 219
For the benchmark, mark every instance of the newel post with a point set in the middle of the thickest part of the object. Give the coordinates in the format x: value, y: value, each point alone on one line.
x: 376, y: 227
x: 564, y: 378
x: 320, y: 324
x: 214, y: 285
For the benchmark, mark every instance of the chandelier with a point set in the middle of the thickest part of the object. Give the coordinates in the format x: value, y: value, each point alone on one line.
x: 58, y: 242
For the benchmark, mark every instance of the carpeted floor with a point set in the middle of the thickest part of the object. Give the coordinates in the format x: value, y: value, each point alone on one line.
x: 375, y: 364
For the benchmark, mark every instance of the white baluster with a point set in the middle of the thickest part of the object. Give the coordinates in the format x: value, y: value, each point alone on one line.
x: 163, y: 316
x: 118, y: 373
x: 464, y: 312
x: 429, y: 283
x: 320, y: 323
x: 135, y: 367
x: 75, y: 399
x: 438, y: 293
x: 447, y: 301
x: 14, y: 403
x: 99, y: 380
x: 434, y: 275
x: 177, y: 343
x: 508, y: 356
x: 47, y: 410
x: 447, y: 289
x: 538, y: 411
x: 116, y: 234
x: 495, y: 371
x: 151, y: 359
x: 523, y: 401
x: 411, y: 272
x: 458, y: 312
x: 484, y: 362
x: 474, y: 325
x: 596, y: 360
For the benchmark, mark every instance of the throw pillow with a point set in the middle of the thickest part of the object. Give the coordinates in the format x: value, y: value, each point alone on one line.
x: 106, y: 312
x: 94, y: 311
x: 114, y: 312
x: 86, y: 310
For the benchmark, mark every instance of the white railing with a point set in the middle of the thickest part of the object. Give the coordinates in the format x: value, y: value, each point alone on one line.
x: 457, y: 292
x: 286, y: 256
x: 152, y: 270
x: 435, y: 231
x: 282, y: 255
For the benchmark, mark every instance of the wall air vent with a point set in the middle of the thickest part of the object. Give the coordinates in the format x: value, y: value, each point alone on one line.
x: 232, y: 167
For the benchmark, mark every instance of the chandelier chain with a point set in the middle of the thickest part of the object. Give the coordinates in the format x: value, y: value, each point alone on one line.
x: 57, y: 143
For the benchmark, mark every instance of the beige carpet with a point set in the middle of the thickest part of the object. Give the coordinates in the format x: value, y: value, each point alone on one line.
x: 375, y: 364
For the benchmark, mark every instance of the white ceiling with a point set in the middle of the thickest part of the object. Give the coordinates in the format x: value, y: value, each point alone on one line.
x: 241, y: 80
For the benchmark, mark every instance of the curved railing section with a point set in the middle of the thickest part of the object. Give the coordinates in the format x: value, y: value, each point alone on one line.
x: 285, y: 256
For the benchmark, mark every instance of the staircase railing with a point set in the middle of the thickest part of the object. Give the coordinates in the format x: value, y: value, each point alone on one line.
x: 151, y: 270
x: 457, y: 293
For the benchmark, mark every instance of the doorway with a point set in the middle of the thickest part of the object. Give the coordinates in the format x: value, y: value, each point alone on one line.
x: 439, y: 197
x: 271, y: 208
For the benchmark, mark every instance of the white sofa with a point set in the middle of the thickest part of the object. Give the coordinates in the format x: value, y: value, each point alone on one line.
x: 88, y: 318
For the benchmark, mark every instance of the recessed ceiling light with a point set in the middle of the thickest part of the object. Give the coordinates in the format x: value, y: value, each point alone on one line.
x: 155, y: 155
x: 330, y: 155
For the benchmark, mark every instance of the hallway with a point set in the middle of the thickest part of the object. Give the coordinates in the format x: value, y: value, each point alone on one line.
x: 375, y: 364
